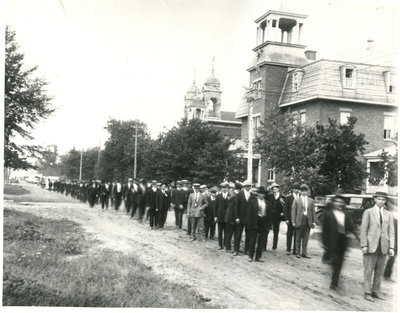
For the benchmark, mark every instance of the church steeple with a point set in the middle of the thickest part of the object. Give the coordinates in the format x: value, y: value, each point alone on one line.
x: 212, y: 94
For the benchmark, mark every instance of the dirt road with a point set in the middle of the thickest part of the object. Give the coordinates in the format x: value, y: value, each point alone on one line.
x: 281, y: 283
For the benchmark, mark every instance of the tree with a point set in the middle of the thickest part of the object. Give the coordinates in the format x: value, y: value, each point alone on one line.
x: 194, y: 149
x: 26, y: 104
x: 325, y: 157
x: 70, y: 164
x: 117, y: 159
x: 47, y: 164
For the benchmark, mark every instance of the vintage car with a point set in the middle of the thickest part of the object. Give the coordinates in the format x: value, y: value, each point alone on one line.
x: 355, y: 204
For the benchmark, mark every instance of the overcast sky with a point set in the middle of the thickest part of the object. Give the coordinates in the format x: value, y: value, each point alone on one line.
x: 132, y: 59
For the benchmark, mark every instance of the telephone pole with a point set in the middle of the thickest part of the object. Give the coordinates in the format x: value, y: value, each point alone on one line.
x: 135, y: 157
x: 80, y: 166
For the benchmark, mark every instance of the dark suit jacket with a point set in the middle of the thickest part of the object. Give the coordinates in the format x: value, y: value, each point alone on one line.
x: 93, y: 189
x: 179, y: 198
x: 229, y: 213
x: 276, y: 205
x: 151, y: 198
x: 210, y: 209
x: 330, y: 233
x: 162, y: 201
x: 297, y: 211
x: 287, y: 210
x: 253, y: 221
x: 220, y: 208
x: 242, y: 206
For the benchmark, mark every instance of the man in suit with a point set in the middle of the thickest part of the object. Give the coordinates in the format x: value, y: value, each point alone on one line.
x: 209, y: 223
x: 104, y: 194
x: 240, y: 211
x: 151, y: 205
x: 277, y: 202
x: 230, y: 224
x: 142, y: 199
x: 197, y: 202
x: 291, y: 232
x: 221, y: 205
x: 187, y: 190
x: 335, y: 225
x: 92, y: 193
x: 303, y: 215
x: 179, y: 200
x: 376, y: 240
x: 128, y: 193
x: 162, y: 205
x: 117, y: 193
x: 256, y: 224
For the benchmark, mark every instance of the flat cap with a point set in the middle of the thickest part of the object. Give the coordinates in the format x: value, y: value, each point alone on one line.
x: 196, y: 185
x: 246, y: 183
x: 203, y: 187
x: 304, y: 187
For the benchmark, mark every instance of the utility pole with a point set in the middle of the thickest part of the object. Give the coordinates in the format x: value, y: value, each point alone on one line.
x: 135, y: 157
x: 252, y: 95
x: 98, y: 161
x: 80, y: 166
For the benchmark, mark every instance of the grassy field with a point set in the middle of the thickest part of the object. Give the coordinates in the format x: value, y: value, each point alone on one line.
x: 14, y: 190
x: 55, y: 263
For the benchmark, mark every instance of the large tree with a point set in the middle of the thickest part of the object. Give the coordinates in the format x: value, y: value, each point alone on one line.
x: 26, y: 104
x: 47, y: 164
x: 325, y: 156
x: 194, y: 149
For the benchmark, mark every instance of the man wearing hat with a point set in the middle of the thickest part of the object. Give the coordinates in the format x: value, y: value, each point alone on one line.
x: 376, y: 240
x: 162, y: 205
x: 129, y: 195
x: 241, y: 209
x: 303, y: 215
x: 291, y: 232
x: 221, y: 205
x: 151, y: 204
x: 178, y: 201
x: 197, y: 203
x: 230, y: 224
x: 336, y: 223
x: 277, y: 202
x: 117, y: 193
x: 187, y: 190
x: 256, y: 224
x: 142, y: 198
x: 209, y: 223
x: 93, y: 192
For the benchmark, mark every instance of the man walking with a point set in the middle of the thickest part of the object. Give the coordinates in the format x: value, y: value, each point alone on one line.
x: 376, y: 240
x: 104, y: 194
x: 277, y: 202
x: 209, y: 223
x: 197, y: 202
x: 230, y: 224
x: 162, y: 205
x: 151, y: 205
x: 291, y: 231
x: 303, y: 214
x: 221, y: 205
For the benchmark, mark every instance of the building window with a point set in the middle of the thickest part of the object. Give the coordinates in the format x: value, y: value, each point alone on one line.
x: 388, y: 127
x: 271, y: 174
x: 295, y: 115
x: 348, y: 76
x: 256, y: 123
x: 303, y: 117
x: 344, y: 116
x: 390, y: 82
x: 198, y: 113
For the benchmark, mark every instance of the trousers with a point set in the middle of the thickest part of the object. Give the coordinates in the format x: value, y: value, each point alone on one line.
x: 302, y: 234
x: 374, y: 266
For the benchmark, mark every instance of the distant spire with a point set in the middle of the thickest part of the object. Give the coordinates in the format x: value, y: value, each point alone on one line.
x: 213, y: 61
x: 194, y: 76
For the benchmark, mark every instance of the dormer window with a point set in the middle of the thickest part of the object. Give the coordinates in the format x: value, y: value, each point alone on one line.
x: 390, y: 82
x: 297, y: 77
x: 348, y: 76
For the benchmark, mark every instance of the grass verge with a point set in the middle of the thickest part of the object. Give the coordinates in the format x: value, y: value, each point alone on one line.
x: 14, y: 190
x: 55, y: 263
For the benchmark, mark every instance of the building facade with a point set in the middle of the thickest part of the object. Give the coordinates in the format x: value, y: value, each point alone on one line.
x: 288, y: 76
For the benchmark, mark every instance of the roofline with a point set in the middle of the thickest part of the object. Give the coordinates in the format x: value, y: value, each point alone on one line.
x: 278, y: 43
x: 275, y: 63
x: 224, y: 121
x: 280, y: 13
x: 336, y: 99
x: 242, y: 115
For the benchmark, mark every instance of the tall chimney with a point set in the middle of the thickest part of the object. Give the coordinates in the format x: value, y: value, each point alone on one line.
x: 311, y: 55
x: 370, y: 45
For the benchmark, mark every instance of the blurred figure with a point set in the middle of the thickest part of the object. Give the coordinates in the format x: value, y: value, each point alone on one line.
x: 336, y: 223
x: 221, y: 205
x: 291, y: 231
x: 104, y: 194
x: 376, y: 240
x: 162, y: 205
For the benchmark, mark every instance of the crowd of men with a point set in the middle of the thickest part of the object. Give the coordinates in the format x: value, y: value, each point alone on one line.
x: 231, y: 211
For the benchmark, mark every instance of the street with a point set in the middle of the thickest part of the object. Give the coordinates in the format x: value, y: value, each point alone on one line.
x: 280, y: 283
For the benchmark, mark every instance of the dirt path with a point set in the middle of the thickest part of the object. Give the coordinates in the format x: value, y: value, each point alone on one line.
x: 281, y: 283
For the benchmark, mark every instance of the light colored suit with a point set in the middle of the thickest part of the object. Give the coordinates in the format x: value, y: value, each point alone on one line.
x: 302, y: 222
x: 378, y: 239
x: 195, y: 211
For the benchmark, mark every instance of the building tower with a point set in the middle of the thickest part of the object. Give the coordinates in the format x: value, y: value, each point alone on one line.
x: 194, y: 105
x: 212, y: 95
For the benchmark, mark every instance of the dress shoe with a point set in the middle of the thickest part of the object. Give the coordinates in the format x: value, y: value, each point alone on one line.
x: 259, y: 260
x: 236, y: 253
x: 305, y: 256
x: 287, y: 252
x: 378, y: 295
x: 250, y: 260
x: 220, y: 248
x: 368, y: 297
x: 298, y: 256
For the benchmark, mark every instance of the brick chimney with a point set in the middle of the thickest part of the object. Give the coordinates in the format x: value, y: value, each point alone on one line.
x: 311, y: 55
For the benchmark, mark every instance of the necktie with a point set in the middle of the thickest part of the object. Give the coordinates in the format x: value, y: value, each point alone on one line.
x: 380, y: 216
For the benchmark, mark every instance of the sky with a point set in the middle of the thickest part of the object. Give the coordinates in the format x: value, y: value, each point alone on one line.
x: 135, y: 59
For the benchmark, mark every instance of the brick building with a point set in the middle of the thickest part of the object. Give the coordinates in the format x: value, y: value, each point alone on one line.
x: 206, y: 106
x: 360, y: 83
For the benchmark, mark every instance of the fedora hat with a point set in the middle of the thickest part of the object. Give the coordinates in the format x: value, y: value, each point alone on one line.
x: 304, y: 187
x: 274, y: 185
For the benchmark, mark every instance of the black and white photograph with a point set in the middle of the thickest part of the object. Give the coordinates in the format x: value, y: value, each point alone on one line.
x: 200, y: 154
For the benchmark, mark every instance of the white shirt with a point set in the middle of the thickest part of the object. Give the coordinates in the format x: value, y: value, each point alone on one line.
x: 276, y: 195
x: 224, y: 195
x: 261, y: 207
x: 247, y: 194
x: 377, y: 209
x: 304, y: 201
x: 118, y: 187
x: 339, y: 215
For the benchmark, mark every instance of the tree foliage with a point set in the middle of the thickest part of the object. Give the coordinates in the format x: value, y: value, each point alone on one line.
x: 47, y: 164
x: 26, y: 104
x: 325, y: 157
